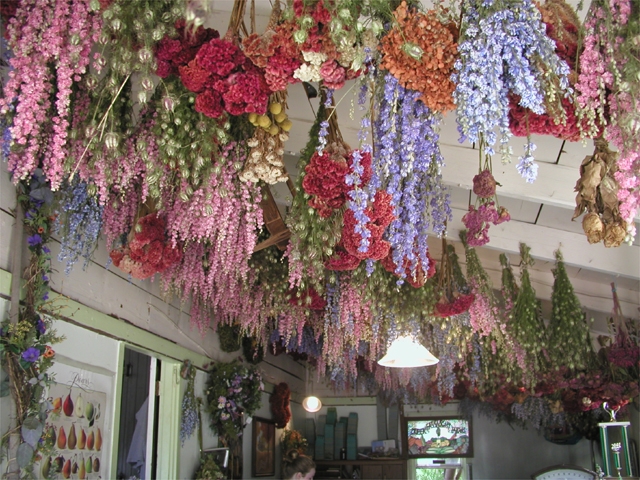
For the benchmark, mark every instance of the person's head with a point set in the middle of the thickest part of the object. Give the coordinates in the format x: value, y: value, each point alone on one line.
x: 296, y: 466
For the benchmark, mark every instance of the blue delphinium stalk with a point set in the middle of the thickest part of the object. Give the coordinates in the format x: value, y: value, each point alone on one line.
x: 407, y: 163
x: 324, y: 125
x: 79, y: 224
x: 526, y: 164
x: 502, y: 45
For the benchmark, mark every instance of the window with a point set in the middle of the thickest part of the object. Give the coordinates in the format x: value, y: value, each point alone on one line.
x: 440, y: 469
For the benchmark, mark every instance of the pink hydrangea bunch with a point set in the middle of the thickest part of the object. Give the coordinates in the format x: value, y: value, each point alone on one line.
x: 477, y: 222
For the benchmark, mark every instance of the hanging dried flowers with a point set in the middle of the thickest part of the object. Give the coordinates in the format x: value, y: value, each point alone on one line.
x: 560, y: 120
x: 527, y: 326
x: 569, y: 342
x: 503, y: 48
x: 418, y: 277
x: 478, y: 220
x: 420, y: 52
x: 597, y: 197
x: 454, y: 297
x: 407, y: 164
x: 149, y: 251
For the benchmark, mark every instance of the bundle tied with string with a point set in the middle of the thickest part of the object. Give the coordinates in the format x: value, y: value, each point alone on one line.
x: 455, y: 298
x: 598, y: 197
x: 486, y: 210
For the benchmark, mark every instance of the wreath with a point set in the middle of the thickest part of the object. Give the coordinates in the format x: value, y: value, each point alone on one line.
x: 233, y: 391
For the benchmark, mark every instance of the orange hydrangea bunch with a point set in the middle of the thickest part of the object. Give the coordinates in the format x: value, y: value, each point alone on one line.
x: 420, y: 52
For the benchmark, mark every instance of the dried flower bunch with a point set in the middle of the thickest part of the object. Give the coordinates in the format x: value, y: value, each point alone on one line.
x: 454, y: 297
x: 149, y: 251
x: 560, y: 119
x: 597, y: 197
x: 420, y: 51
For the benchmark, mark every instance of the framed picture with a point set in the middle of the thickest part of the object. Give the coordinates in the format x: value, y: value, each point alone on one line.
x: 437, y: 437
x: 264, y: 447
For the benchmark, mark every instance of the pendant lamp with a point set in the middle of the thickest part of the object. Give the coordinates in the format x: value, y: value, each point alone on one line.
x: 311, y: 403
x: 405, y: 352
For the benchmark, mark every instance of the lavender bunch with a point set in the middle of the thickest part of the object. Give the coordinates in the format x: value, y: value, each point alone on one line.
x: 79, y: 225
x: 407, y: 163
x: 504, y: 50
x: 189, y: 421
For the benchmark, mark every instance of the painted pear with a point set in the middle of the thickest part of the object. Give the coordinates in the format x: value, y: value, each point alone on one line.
x: 46, y: 467
x: 82, y: 439
x: 79, y: 408
x: 62, y: 439
x: 66, y: 469
x: 67, y: 406
x: 73, y: 439
x: 90, y: 440
x: 74, y: 467
x: 57, y: 405
x: 89, y: 465
x: 96, y: 464
x: 98, y: 439
x: 89, y: 411
x: 58, y: 464
x: 82, y: 471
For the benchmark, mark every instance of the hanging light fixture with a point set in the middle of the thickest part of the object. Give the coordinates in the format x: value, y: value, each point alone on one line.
x: 311, y: 403
x: 405, y: 352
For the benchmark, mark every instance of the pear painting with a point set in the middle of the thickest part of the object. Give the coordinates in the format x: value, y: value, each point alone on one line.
x: 62, y: 439
x: 73, y: 440
x: 98, y: 439
x: 82, y: 439
x: 67, y: 406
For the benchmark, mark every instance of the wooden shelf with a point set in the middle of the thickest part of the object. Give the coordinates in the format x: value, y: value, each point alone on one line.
x: 378, y: 468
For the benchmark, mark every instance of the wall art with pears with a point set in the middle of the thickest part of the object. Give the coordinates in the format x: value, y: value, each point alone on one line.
x: 76, y: 422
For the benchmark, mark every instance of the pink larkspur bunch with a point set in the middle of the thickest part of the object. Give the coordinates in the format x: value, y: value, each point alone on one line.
x: 45, y: 33
x: 226, y: 234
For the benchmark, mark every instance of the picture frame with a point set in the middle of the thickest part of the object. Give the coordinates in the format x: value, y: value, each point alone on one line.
x: 437, y: 437
x: 263, y: 442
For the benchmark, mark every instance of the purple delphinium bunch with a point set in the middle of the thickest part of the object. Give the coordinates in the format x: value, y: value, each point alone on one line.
x: 82, y: 217
x: 358, y: 195
x: 407, y: 163
x: 526, y: 164
x: 324, y: 125
x: 502, y: 45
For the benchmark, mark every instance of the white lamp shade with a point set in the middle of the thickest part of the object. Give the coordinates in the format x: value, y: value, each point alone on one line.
x: 407, y: 353
x: 312, y: 404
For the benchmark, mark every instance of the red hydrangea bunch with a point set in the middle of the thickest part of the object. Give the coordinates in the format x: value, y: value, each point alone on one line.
x: 417, y: 279
x: 173, y: 53
x: 276, y: 53
x: 380, y: 215
x: 149, y: 252
x: 461, y: 303
x: 478, y: 222
x: 484, y: 185
x: 325, y: 178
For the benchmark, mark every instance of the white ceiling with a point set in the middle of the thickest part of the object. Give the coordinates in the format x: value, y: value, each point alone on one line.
x: 541, y: 212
